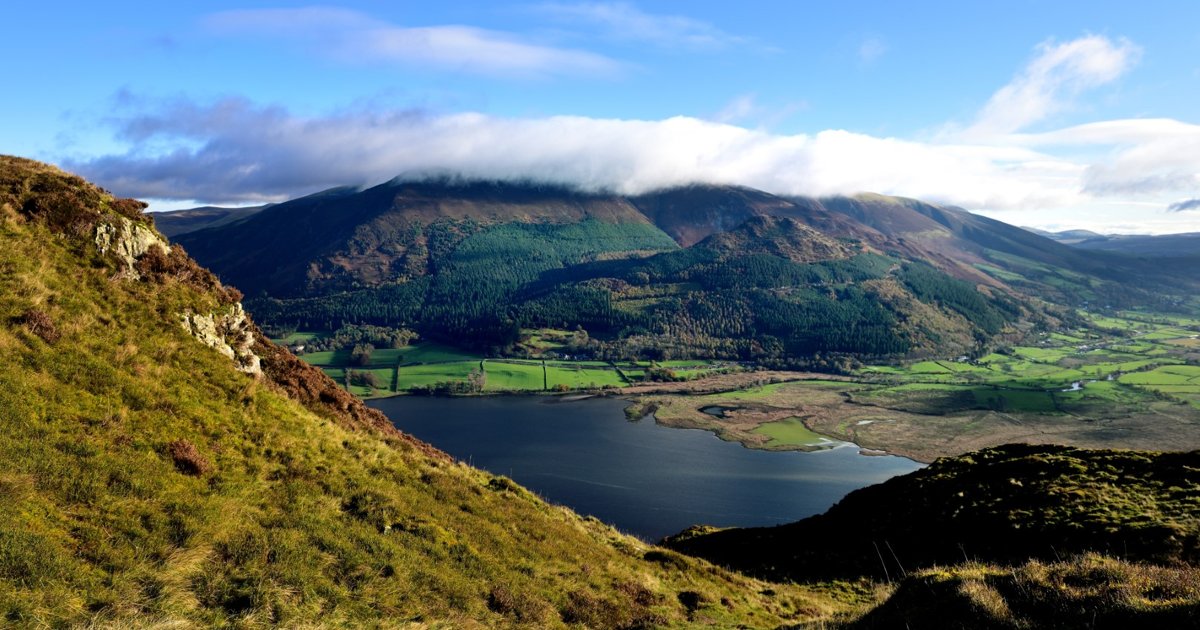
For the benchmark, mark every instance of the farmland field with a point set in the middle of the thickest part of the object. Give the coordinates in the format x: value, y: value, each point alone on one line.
x: 1126, y: 379
x: 431, y: 365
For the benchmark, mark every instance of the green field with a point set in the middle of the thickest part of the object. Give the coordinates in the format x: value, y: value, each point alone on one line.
x: 582, y: 378
x: 1119, y: 359
x: 427, y: 364
x: 790, y: 432
x: 510, y: 375
x: 1115, y: 358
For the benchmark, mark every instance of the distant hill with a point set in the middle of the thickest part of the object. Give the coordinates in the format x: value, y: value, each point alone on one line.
x: 1068, y: 237
x: 1184, y: 245
x: 175, y: 222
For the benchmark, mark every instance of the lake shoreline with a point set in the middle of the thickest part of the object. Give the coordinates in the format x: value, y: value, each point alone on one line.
x: 644, y: 477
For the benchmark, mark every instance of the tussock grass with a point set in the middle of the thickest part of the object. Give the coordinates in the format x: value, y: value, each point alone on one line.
x: 1088, y: 591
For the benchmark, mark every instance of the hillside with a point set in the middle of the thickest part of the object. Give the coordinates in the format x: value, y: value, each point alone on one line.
x: 698, y: 272
x: 1010, y: 537
x: 161, y: 463
x: 346, y: 238
x: 1003, y: 505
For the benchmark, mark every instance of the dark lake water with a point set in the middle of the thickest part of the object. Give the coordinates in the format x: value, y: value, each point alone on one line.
x: 645, y: 479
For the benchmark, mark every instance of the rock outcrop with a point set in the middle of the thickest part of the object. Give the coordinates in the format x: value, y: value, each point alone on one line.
x: 231, y: 334
x: 129, y: 241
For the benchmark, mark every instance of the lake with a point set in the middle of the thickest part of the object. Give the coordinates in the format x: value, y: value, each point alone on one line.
x: 645, y: 479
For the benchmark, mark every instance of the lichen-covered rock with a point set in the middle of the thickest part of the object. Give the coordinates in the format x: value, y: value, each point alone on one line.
x: 230, y: 333
x: 129, y: 241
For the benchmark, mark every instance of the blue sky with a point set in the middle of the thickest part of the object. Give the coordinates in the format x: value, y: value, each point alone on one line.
x: 1065, y: 114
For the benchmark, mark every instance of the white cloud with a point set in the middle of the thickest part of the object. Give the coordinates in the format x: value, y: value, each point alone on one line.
x: 741, y: 107
x: 1094, y: 175
x: 242, y: 152
x: 1046, y: 85
x: 354, y: 37
x: 1135, y: 158
x: 621, y: 20
x: 870, y: 49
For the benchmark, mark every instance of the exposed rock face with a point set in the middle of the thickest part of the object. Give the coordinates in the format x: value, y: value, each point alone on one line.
x: 231, y: 334
x: 129, y: 241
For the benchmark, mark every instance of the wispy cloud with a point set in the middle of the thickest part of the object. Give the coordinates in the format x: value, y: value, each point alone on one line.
x: 354, y: 37
x: 1185, y: 205
x: 621, y: 20
x: 1047, y: 84
x: 746, y: 109
x: 871, y: 49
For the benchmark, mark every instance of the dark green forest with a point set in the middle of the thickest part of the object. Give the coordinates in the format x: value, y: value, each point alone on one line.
x: 703, y: 301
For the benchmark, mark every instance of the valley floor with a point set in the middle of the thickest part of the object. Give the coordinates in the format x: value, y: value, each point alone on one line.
x: 1128, y: 380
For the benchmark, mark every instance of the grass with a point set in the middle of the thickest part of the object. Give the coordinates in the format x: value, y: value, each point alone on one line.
x: 296, y: 338
x: 1090, y: 590
x: 425, y: 364
x: 425, y: 374
x: 1134, y: 391
x: 582, y: 378
x: 510, y: 376
x: 790, y: 432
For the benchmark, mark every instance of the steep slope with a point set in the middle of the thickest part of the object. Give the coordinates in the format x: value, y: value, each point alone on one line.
x: 692, y: 213
x: 773, y: 291
x: 474, y: 263
x: 1005, y: 504
x: 163, y: 464
x: 346, y: 238
x: 783, y: 238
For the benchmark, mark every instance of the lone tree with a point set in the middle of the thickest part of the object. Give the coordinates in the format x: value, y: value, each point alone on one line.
x: 364, y: 379
x: 361, y: 354
x: 476, y: 380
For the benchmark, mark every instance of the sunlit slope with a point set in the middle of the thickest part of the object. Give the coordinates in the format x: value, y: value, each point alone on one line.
x: 148, y: 477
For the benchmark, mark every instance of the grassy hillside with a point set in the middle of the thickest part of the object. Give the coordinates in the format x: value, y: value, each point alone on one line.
x: 146, y: 480
x: 1093, y: 592
x: 1006, y: 504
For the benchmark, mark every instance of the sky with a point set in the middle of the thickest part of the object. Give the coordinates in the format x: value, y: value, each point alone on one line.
x: 1054, y: 115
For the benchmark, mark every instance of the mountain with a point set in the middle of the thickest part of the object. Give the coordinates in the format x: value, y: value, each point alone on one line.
x: 1186, y: 245
x: 176, y: 222
x: 347, y: 238
x: 1068, y: 237
x: 163, y: 464
x: 653, y: 275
